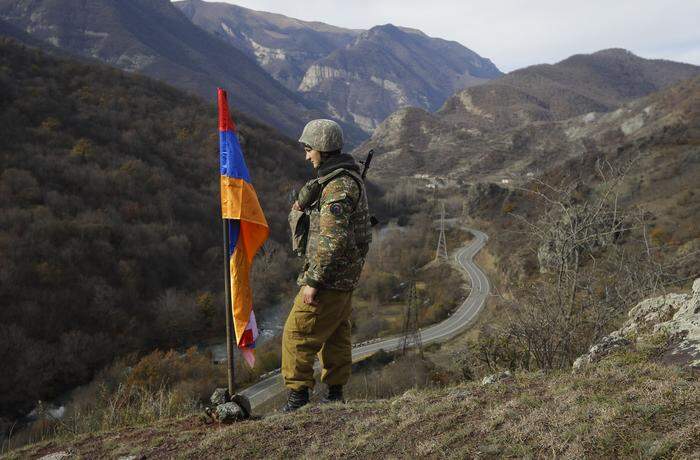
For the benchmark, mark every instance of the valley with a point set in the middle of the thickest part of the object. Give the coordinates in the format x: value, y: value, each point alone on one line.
x: 583, y: 173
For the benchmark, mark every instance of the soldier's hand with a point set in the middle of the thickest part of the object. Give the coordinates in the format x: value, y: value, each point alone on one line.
x: 296, y: 206
x: 309, y: 295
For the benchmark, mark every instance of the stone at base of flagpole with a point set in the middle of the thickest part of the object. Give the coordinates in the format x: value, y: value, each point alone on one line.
x: 229, y: 412
x: 220, y: 396
x: 227, y: 409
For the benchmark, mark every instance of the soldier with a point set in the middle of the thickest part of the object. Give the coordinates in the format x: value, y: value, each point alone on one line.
x: 336, y: 244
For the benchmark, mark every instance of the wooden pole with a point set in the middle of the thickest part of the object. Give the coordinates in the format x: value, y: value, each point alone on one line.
x: 229, y: 309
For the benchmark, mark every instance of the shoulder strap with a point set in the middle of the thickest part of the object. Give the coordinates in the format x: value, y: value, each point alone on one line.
x: 324, y: 180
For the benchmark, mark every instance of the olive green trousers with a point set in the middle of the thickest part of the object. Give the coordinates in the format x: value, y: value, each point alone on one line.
x: 322, y: 330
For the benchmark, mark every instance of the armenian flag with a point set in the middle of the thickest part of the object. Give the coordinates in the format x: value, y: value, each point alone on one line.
x: 247, y: 227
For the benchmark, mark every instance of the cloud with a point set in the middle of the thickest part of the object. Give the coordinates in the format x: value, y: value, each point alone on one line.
x: 517, y: 33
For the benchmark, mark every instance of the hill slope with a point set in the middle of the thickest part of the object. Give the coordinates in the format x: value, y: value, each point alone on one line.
x: 464, y: 144
x: 155, y: 39
x: 109, y: 227
x: 624, y: 407
x: 582, y: 83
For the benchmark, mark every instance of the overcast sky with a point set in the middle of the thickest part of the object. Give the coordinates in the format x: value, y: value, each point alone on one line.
x: 518, y: 33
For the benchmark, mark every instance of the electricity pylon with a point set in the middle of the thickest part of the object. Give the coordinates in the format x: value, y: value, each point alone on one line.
x: 411, y: 330
x: 441, y: 251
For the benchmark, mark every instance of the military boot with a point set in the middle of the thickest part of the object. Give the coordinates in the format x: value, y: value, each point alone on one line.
x: 335, y: 394
x: 296, y: 399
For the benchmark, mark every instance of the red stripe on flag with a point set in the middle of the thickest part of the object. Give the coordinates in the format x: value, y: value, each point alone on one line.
x: 225, y: 121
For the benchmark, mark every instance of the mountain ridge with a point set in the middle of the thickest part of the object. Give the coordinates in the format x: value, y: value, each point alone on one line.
x: 386, y: 68
x: 579, y: 84
x: 157, y: 40
x: 284, y: 46
x: 358, y: 76
x: 481, y: 124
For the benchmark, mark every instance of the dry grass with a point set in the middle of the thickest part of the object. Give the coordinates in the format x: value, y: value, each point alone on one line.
x: 132, y: 392
x: 625, y: 407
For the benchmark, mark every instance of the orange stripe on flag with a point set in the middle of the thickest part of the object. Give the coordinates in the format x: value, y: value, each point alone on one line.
x: 241, y: 292
x: 239, y: 201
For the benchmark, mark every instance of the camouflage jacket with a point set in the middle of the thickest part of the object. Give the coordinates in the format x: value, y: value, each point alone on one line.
x: 339, y: 229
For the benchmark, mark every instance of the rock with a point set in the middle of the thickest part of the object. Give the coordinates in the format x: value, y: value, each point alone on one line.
x: 676, y: 315
x: 56, y: 455
x: 229, y: 412
x: 603, y: 348
x: 648, y: 314
x: 220, y: 396
x: 461, y: 394
x: 493, y: 378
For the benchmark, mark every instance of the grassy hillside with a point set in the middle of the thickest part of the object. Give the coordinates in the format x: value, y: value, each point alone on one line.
x: 109, y: 227
x: 626, y: 407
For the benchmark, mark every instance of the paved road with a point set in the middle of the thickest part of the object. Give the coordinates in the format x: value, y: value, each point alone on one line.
x: 457, y: 322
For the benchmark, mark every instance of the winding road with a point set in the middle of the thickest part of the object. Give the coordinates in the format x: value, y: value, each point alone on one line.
x: 265, y: 389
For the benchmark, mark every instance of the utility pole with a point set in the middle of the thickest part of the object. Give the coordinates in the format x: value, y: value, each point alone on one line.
x: 441, y: 251
x: 411, y: 330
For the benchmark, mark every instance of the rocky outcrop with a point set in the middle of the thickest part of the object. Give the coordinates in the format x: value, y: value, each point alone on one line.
x: 495, y: 378
x: 316, y: 74
x: 676, y: 316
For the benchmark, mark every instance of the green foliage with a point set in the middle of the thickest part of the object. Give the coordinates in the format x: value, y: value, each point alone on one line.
x: 109, y: 219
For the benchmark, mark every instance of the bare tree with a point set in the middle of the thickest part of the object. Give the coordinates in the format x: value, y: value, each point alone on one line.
x: 596, y: 262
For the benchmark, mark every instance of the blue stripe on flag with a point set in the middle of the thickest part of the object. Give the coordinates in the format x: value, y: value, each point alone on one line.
x: 232, y: 162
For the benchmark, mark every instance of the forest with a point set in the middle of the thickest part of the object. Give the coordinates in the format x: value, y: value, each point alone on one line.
x: 110, y: 221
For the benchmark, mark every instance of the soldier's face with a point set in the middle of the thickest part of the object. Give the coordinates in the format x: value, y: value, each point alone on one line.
x: 314, y: 156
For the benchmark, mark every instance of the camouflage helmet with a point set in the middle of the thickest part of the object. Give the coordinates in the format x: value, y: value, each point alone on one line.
x: 322, y: 135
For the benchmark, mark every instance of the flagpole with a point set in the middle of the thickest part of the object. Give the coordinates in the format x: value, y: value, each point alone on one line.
x: 229, y: 308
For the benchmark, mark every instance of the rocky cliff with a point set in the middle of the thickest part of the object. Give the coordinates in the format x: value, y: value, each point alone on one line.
x: 387, y: 68
x: 284, y: 46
